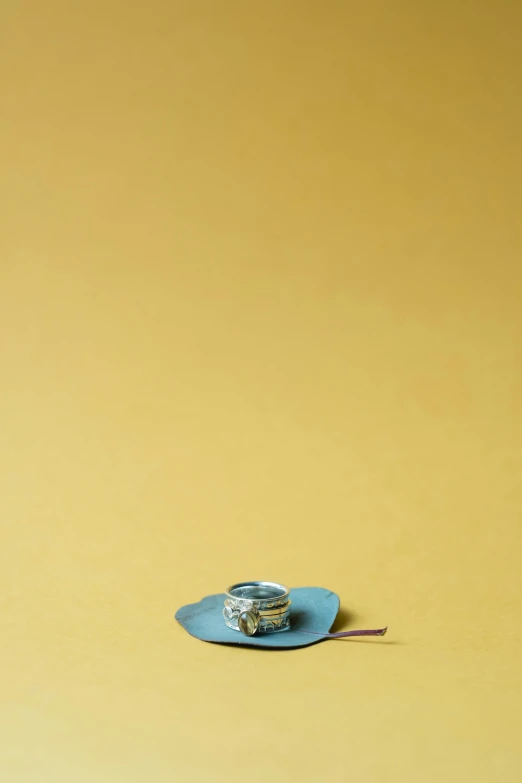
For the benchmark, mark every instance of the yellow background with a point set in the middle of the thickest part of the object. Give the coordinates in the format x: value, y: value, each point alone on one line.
x: 260, y: 317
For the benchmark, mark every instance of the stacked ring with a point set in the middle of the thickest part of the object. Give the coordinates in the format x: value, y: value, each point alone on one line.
x: 257, y: 607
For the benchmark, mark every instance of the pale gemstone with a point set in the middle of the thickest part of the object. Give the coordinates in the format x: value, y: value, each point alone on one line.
x: 248, y: 623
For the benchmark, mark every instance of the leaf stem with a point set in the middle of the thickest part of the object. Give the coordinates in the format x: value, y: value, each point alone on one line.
x: 345, y: 634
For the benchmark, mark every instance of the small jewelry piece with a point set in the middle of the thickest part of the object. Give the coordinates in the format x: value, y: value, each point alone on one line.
x: 257, y: 607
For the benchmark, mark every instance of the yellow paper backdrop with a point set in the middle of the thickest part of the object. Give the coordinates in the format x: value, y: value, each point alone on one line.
x: 260, y: 317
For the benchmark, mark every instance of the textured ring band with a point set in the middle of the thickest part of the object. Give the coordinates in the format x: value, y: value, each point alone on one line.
x: 257, y: 607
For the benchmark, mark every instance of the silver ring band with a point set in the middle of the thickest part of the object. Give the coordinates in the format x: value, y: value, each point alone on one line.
x: 257, y: 607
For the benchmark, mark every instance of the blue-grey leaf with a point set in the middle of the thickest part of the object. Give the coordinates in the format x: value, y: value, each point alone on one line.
x: 313, y: 609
